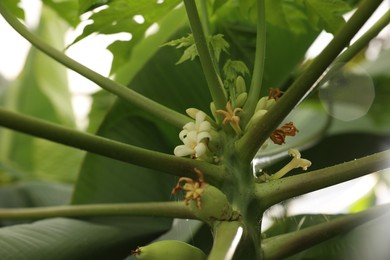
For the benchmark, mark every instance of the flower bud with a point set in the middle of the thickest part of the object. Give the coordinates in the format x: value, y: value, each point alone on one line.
x: 240, y: 85
x: 241, y: 99
x: 169, y: 249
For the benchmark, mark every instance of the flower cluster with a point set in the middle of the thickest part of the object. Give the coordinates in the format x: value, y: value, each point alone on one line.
x: 195, y: 136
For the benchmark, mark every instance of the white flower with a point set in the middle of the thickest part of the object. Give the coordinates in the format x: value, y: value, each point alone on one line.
x: 194, y: 144
x: 194, y: 136
x: 200, y: 125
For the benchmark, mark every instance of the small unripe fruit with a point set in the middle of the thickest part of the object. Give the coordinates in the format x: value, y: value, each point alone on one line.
x: 169, y: 249
x: 214, y: 206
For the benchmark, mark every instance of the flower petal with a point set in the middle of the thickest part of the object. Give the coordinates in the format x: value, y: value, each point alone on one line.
x: 204, y: 126
x: 200, y: 117
x: 200, y: 149
x: 183, y: 134
x: 190, y: 126
x: 203, y: 135
x: 183, y: 150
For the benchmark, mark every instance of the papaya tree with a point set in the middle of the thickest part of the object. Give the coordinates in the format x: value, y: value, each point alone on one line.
x: 213, y: 114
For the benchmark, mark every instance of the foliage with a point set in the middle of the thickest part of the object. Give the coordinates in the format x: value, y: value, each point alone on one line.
x: 130, y: 143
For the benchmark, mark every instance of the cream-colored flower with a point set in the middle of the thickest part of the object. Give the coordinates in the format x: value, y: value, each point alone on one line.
x: 195, y: 135
x: 200, y: 125
x: 194, y: 144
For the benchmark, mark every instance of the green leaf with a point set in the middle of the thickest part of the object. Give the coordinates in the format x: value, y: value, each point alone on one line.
x: 281, y: 60
x: 328, y: 14
x: 216, y: 42
x: 147, y: 47
x: 295, y: 223
x: 14, y: 8
x: 87, y: 5
x: 66, y: 9
x: 102, y: 102
x: 62, y: 238
x: 233, y: 68
x: 41, y: 90
x: 33, y: 194
x: 127, y: 16
x: 367, y: 241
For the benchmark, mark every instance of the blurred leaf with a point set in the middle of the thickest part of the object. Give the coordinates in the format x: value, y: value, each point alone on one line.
x: 295, y: 223
x: 33, y: 194
x: 365, y: 202
x: 301, y: 16
x: 218, y: 4
x: 102, y: 102
x: 327, y: 13
x: 14, y: 8
x: 41, y: 91
x: 126, y: 16
x: 281, y: 60
x: 66, y: 9
x: 380, y: 66
x: 367, y: 241
x: 87, y: 5
x: 63, y: 239
x: 147, y: 46
x: 376, y: 120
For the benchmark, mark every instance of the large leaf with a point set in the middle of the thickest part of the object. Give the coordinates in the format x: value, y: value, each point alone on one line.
x: 62, y: 238
x: 67, y: 9
x: 281, y: 59
x: 328, y: 13
x: 33, y: 194
x: 126, y: 16
x: 298, y: 16
x: 41, y: 90
x: 14, y: 8
x: 367, y: 241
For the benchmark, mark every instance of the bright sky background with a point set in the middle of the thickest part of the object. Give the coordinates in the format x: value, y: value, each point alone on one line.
x: 92, y: 53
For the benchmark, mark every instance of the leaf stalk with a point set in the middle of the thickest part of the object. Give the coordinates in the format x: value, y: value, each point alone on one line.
x: 252, y: 140
x: 213, y: 80
x: 109, y: 148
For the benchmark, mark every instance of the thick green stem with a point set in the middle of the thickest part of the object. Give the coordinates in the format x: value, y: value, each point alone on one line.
x: 119, y: 90
x: 258, y: 69
x: 213, y: 80
x: 227, y: 236
x: 276, y: 191
x: 116, y: 150
x: 357, y: 46
x: 252, y: 140
x: 155, y: 209
x: 282, y: 246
